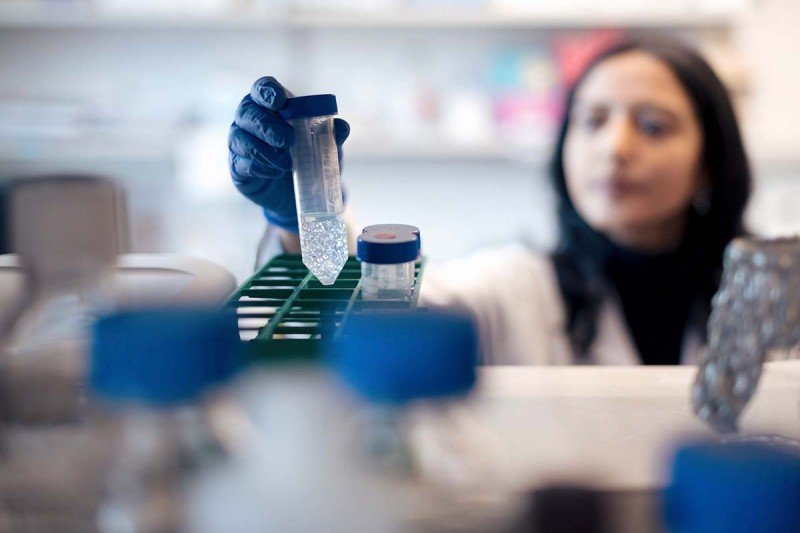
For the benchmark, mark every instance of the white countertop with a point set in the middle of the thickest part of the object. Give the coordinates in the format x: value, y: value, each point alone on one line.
x: 612, y: 427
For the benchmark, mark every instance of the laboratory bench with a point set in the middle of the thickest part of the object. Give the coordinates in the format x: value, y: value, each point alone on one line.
x: 613, y: 427
x: 602, y: 440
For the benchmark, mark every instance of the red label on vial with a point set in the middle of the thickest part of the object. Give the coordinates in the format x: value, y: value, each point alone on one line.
x: 386, y: 235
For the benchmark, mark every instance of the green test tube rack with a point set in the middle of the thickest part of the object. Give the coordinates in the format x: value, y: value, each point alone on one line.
x: 284, y: 311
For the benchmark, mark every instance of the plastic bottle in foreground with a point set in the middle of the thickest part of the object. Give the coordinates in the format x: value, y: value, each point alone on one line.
x: 292, y: 467
x: 413, y: 372
x: 736, y: 487
x: 388, y: 253
x: 65, y: 231
x: 317, y: 185
x: 151, y: 369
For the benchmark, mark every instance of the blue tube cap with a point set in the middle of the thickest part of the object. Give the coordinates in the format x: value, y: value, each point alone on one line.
x: 317, y: 105
x: 162, y: 356
x: 736, y: 487
x: 399, y: 356
x: 387, y: 247
x: 395, y: 228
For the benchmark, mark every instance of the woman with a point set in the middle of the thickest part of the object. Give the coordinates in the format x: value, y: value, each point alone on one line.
x: 652, y: 181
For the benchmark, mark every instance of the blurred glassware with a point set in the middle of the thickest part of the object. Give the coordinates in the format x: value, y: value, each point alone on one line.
x: 340, y: 6
x: 66, y: 232
x: 734, y: 487
x: 182, y: 8
x: 466, y: 117
x: 293, y: 464
x: 413, y: 371
x: 755, y: 318
x: 526, y: 98
x: 150, y: 371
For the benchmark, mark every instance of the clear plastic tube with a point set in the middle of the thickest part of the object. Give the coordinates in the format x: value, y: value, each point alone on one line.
x: 388, y: 253
x: 318, y: 192
x: 387, y: 282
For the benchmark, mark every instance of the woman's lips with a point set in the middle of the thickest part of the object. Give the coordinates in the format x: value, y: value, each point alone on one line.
x: 619, y: 188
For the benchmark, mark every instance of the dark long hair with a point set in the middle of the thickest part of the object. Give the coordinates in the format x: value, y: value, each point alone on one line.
x: 577, y: 261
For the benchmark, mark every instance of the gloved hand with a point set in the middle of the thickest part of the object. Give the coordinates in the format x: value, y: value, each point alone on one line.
x: 258, y: 151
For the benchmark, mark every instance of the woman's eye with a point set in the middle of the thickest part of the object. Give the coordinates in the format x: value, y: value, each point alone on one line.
x: 592, y: 122
x: 654, y: 128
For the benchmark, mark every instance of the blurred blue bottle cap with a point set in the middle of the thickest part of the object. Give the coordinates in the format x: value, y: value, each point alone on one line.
x: 388, y: 247
x: 395, y: 228
x: 398, y: 356
x: 162, y: 356
x: 316, y: 105
x: 736, y: 487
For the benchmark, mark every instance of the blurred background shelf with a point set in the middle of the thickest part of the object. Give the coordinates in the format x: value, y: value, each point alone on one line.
x: 114, y: 15
x: 456, y: 98
x: 132, y: 148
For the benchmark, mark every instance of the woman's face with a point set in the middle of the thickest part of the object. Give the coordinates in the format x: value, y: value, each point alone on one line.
x: 633, y: 152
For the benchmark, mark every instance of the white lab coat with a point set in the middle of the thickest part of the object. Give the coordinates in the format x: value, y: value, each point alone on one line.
x: 512, y: 293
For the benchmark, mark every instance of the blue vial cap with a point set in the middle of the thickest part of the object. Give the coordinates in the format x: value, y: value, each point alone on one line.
x: 317, y: 105
x: 397, y: 356
x: 736, y: 487
x: 387, y: 248
x: 395, y: 228
x: 162, y: 356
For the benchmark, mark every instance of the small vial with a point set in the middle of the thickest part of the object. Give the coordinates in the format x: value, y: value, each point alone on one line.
x: 317, y: 185
x: 387, y: 254
x: 395, y: 228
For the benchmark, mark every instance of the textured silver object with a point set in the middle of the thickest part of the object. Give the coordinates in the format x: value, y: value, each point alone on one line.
x: 755, y: 317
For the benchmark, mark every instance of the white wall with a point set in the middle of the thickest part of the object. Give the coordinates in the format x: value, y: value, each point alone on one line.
x: 457, y: 206
x: 768, y: 39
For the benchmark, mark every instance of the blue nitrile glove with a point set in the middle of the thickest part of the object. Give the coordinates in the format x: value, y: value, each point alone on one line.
x: 258, y: 151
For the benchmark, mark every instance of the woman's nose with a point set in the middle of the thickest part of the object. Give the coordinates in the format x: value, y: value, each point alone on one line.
x: 620, y: 139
